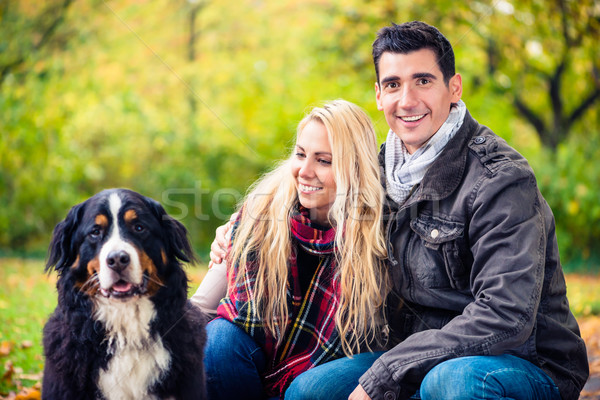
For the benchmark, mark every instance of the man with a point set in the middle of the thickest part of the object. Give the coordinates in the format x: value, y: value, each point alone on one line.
x: 473, y: 255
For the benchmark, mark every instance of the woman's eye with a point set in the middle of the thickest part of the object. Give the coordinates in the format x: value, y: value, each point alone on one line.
x: 326, y: 162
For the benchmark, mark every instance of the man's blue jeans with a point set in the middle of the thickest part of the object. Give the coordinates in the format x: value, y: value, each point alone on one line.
x: 465, y: 378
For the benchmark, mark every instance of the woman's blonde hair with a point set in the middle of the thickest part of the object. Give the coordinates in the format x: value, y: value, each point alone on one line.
x: 263, y: 232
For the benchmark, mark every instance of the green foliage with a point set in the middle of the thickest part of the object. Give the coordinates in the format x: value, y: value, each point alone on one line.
x: 189, y: 102
x: 571, y: 184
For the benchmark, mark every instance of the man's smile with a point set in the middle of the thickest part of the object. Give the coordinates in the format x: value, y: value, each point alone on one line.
x: 412, y: 118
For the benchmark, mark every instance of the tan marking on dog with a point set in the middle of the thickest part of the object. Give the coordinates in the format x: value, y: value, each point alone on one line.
x: 93, y: 266
x: 75, y: 263
x: 87, y: 286
x: 164, y: 256
x: 129, y: 216
x: 101, y: 220
x: 154, y: 282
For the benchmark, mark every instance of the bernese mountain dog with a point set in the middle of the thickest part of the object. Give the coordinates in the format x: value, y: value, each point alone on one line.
x: 123, y: 327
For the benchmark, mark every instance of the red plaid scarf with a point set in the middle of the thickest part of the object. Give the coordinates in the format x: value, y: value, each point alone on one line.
x: 310, y: 338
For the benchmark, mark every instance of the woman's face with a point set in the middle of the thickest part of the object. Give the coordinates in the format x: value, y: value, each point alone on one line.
x: 313, y: 172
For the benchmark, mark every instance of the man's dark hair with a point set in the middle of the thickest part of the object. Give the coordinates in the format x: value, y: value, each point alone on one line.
x: 412, y: 36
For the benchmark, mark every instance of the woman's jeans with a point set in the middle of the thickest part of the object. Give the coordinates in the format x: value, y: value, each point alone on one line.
x: 465, y: 378
x: 333, y: 380
x: 234, y: 363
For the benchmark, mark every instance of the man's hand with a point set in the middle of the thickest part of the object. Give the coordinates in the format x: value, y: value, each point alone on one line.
x: 359, y: 394
x: 218, y: 248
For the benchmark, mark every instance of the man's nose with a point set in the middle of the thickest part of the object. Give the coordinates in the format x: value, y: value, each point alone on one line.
x: 408, y: 98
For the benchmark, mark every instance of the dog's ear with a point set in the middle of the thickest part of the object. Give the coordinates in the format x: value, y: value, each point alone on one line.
x: 62, y: 251
x: 176, y: 234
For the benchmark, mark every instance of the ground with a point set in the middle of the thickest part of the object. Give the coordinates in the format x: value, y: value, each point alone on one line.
x: 590, y: 331
x: 27, y: 297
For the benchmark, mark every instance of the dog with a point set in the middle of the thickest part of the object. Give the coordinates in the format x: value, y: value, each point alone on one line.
x: 123, y: 327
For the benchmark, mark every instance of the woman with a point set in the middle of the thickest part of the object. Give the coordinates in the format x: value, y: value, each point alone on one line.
x: 306, y: 275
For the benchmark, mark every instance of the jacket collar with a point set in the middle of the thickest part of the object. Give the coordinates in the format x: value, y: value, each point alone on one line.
x: 446, y: 172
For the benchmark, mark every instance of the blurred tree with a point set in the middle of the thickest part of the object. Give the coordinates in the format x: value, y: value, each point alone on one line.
x: 189, y: 101
x: 545, y: 55
x: 26, y: 30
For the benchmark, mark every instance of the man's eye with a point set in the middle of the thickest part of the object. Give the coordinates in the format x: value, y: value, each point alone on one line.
x: 423, y: 81
x: 392, y: 85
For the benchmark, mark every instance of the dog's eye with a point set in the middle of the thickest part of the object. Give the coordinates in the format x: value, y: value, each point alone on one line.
x: 138, y: 228
x: 96, y: 232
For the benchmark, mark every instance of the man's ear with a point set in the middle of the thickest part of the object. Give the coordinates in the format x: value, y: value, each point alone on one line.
x: 378, y: 97
x: 455, y: 87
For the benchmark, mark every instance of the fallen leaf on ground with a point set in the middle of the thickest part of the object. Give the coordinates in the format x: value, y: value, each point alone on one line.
x: 5, y: 348
x: 9, y: 370
x: 29, y: 394
x: 26, y: 344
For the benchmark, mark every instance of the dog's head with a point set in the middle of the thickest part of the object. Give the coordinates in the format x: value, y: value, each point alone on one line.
x: 118, y: 244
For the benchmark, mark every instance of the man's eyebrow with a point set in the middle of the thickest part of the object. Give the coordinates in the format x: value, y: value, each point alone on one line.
x: 420, y: 75
x: 390, y: 79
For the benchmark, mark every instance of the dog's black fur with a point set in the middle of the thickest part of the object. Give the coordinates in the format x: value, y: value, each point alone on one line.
x: 86, y: 338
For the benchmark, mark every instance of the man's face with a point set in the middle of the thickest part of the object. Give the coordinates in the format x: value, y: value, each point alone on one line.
x: 413, y: 96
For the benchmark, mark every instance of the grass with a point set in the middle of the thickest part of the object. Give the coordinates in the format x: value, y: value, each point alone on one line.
x: 583, y: 292
x: 28, y: 297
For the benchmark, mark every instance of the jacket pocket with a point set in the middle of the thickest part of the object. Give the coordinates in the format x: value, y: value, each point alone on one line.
x: 435, y: 253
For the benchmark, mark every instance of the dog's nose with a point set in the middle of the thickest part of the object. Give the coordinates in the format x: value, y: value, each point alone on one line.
x: 118, y: 260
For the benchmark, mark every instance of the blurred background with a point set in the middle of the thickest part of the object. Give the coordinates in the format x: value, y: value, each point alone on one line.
x: 189, y: 102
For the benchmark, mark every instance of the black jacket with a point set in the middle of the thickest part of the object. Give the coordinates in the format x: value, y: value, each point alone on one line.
x: 475, y: 262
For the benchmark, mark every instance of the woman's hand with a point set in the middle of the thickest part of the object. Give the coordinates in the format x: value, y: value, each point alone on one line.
x: 219, y: 246
x: 359, y: 394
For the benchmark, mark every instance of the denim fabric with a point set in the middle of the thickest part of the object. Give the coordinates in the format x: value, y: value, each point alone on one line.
x: 487, y: 377
x: 233, y: 363
x: 331, y: 381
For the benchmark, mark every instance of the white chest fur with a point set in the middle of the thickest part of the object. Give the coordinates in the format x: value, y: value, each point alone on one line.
x: 138, y: 360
